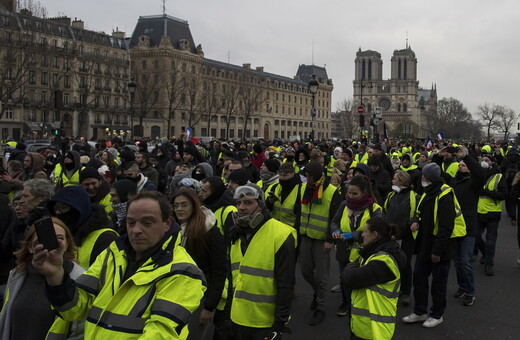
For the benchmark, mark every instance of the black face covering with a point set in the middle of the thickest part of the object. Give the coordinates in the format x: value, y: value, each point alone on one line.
x: 68, y: 166
x: 70, y: 218
x: 133, y: 179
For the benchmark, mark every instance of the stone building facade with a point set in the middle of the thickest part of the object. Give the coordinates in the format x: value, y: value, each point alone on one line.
x: 405, y: 106
x: 58, y: 77
x: 178, y: 87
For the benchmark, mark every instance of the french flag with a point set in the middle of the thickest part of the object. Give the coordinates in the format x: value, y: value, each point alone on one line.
x: 440, y: 136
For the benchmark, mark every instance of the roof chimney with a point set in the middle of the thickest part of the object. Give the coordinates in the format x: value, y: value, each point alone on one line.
x: 78, y: 23
x: 246, y: 66
x: 260, y: 68
x: 118, y: 34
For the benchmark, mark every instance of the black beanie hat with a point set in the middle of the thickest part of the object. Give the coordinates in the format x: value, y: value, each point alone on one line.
x: 315, y: 169
x: 89, y: 173
x: 272, y: 164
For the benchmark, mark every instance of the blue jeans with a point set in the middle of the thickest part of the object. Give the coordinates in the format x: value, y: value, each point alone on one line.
x: 439, y: 272
x: 487, y: 248
x: 464, y: 264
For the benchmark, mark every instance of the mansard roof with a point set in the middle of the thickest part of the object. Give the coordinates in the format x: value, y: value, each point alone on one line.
x: 305, y: 73
x: 157, y: 26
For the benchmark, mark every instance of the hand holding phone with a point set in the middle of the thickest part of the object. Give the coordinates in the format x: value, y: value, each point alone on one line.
x: 46, y: 234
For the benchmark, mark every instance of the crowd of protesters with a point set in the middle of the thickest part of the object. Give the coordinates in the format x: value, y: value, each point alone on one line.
x: 186, y: 240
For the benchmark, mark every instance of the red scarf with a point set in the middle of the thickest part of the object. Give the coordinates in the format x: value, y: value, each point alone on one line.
x: 361, y: 203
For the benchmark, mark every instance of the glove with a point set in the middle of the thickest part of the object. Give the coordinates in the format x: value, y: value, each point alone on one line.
x: 346, y: 236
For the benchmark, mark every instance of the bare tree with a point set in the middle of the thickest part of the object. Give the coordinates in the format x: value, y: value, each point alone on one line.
x: 489, y: 115
x: 145, y: 98
x: 175, y: 90
x: 252, y: 97
x: 507, y: 117
x: 454, y: 117
x: 194, y: 99
x: 230, y: 102
x: 36, y: 8
x: 347, y: 117
x: 211, y: 104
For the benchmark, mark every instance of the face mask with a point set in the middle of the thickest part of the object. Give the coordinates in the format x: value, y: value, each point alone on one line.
x: 134, y: 179
x: 425, y: 184
x: 396, y: 188
x: 249, y: 221
x: 69, y: 166
x: 266, y: 174
x: 484, y: 165
x: 70, y: 218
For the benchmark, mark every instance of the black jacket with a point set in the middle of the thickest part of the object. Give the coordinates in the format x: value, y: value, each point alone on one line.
x: 426, y: 243
x: 467, y: 187
x: 383, y: 181
x: 398, y: 211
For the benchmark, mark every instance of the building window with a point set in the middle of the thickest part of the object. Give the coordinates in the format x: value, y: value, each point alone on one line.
x: 405, y: 108
x: 144, y: 65
x: 44, y: 97
x: 399, y: 107
x: 223, y: 133
x: 44, y: 78
x: 55, y: 80
x: 66, y: 99
x: 45, y: 116
x: 32, y: 77
x: 57, y: 115
x: 9, y: 113
x: 405, y: 69
x: 32, y: 116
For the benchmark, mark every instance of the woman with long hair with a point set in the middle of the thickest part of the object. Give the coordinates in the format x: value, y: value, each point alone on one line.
x: 399, y: 208
x: 205, y: 244
x: 374, y: 278
x: 25, y: 297
x: 350, y: 219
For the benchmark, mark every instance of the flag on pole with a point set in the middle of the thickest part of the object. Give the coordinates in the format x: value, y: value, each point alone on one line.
x: 440, y: 136
x: 429, y: 144
x: 189, y: 137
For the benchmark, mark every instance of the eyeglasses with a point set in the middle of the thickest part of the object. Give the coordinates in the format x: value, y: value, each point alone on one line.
x: 244, y: 191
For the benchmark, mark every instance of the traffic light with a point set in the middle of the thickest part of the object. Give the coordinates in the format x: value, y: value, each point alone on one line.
x: 361, y: 120
x: 56, y: 132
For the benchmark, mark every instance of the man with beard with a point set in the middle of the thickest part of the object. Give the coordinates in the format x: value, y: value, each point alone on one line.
x: 143, y: 160
x: 131, y: 172
x: 262, y: 259
x: 268, y: 173
x: 89, y: 223
x: 215, y: 197
x: 283, y: 198
x: 253, y: 174
x: 96, y: 187
x: 66, y: 173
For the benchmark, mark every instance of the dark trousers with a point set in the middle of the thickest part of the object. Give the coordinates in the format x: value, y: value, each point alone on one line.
x: 407, y: 245
x: 487, y: 248
x: 439, y: 272
x: 249, y: 333
x: 464, y: 264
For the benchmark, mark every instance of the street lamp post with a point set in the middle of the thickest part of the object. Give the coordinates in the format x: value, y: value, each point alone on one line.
x: 132, y: 86
x: 313, y: 89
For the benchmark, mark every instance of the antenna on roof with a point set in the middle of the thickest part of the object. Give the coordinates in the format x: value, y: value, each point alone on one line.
x: 312, y: 51
x: 163, y: 7
x: 229, y: 57
x: 406, y: 39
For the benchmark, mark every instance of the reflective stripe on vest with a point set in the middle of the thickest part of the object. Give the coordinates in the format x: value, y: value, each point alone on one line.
x: 315, y: 217
x: 222, y: 214
x: 487, y: 204
x: 284, y: 211
x: 85, y: 250
x: 364, y: 158
x: 254, y: 300
x: 346, y: 227
x: 459, y: 228
x: 374, y: 308
x: 329, y: 169
x: 106, y: 203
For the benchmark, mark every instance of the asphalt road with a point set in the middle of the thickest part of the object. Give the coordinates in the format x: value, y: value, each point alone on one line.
x: 494, y: 315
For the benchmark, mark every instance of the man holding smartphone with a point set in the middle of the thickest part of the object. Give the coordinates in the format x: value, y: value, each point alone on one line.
x: 144, y: 283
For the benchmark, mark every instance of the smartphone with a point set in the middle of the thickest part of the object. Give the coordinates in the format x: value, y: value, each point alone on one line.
x: 46, y: 234
x: 452, y: 149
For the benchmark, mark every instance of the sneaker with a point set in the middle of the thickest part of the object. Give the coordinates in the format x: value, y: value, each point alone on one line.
x: 468, y: 300
x: 489, y: 270
x: 314, y: 303
x: 317, y: 317
x: 459, y: 293
x: 432, y: 322
x: 518, y: 260
x: 336, y: 288
x: 415, y: 318
x: 342, y: 309
x: 405, y: 299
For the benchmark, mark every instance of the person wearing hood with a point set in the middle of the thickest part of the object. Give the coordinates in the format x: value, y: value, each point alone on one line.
x: 217, y: 198
x: 96, y: 187
x: 260, y: 244
x: 399, y: 209
x: 436, y: 226
x: 382, y: 178
x: 349, y: 220
x: 395, y: 160
x: 301, y: 158
x: 319, y: 202
x: 489, y: 211
x: 33, y: 166
x: 413, y: 170
x: 131, y: 172
x: 467, y: 184
x: 268, y: 173
x: 283, y: 197
x: 191, y: 155
x: 206, y: 245
x: 201, y: 171
x: 259, y: 156
x: 374, y: 279
x: 90, y: 226
x: 66, y: 173
x: 120, y: 193
x: 363, y: 169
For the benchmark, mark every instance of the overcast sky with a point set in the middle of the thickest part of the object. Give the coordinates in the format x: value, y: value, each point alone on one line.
x: 469, y: 48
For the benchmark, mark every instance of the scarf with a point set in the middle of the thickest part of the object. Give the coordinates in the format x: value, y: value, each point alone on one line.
x: 120, y: 211
x: 313, y: 193
x: 359, y: 204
